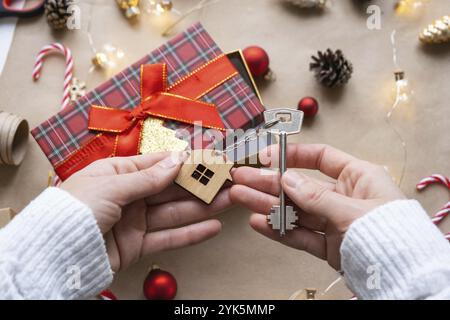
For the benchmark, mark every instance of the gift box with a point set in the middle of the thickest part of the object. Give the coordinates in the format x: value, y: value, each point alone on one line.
x: 184, y: 81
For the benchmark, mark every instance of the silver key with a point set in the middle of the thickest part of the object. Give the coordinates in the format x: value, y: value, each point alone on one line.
x: 283, y: 122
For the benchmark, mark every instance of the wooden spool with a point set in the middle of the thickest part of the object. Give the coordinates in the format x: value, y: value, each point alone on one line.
x: 13, y: 138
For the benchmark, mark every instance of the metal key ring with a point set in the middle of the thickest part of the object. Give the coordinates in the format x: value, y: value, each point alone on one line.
x: 271, y: 123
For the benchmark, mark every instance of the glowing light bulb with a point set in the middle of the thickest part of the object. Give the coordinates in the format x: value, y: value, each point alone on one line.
x: 159, y: 7
x: 402, y: 89
x: 402, y: 94
x: 411, y: 8
x: 110, y: 58
x: 162, y: 13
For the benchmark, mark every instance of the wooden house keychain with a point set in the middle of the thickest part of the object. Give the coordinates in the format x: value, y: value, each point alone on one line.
x: 205, y: 171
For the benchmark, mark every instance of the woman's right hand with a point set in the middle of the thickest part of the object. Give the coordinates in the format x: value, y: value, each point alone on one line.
x: 326, y: 209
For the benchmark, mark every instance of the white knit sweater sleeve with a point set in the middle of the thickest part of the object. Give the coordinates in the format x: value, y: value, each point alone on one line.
x: 396, y: 252
x: 53, y: 249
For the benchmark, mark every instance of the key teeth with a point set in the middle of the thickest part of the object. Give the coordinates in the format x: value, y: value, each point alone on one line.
x: 291, y: 219
x: 274, y: 218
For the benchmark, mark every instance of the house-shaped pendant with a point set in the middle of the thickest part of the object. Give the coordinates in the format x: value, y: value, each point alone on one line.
x: 204, y: 173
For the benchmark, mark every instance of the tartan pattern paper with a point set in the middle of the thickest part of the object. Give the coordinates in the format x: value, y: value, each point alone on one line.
x: 238, y: 106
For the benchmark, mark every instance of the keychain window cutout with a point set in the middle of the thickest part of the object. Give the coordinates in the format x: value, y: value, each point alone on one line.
x: 202, y: 174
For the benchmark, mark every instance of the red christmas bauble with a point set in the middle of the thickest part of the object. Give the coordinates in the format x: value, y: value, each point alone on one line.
x: 257, y: 60
x: 160, y: 285
x: 309, y: 106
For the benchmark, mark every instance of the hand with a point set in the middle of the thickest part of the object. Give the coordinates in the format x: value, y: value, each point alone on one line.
x: 139, y: 209
x: 326, y: 209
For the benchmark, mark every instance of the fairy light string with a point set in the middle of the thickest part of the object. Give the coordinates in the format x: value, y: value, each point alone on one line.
x: 199, y: 6
x: 400, y: 96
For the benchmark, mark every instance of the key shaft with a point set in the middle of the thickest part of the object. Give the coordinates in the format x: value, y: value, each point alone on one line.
x: 282, y: 159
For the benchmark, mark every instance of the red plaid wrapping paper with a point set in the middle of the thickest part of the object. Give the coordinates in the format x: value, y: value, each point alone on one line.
x: 237, y: 104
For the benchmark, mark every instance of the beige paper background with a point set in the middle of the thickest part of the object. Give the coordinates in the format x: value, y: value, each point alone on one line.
x: 240, y: 264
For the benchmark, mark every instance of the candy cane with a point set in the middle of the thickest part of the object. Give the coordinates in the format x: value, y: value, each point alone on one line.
x: 440, y: 215
x: 56, y: 47
x: 107, y: 295
x: 444, y: 212
x: 435, y: 178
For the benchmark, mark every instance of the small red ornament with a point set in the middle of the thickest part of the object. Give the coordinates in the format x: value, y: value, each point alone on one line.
x: 257, y: 60
x: 309, y: 106
x: 160, y: 285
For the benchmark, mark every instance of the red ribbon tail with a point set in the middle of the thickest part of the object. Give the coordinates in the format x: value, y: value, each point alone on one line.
x: 100, y: 147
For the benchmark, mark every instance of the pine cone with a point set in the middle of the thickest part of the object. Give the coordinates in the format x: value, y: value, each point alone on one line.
x: 331, y: 68
x: 57, y: 12
x: 306, y: 4
x: 438, y: 32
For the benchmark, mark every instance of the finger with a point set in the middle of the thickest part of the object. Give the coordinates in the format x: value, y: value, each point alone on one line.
x: 266, y: 180
x: 150, y: 181
x: 172, y: 193
x: 311, y: 222
x: 124, y: 165
x: 312, y: 197
x: 302, y: 239
x: 258, y: 201
x: 328, y: 160
x: 180, y: 213
x: 252, y: 199
x: 141, y: 162
x: 181, y: 237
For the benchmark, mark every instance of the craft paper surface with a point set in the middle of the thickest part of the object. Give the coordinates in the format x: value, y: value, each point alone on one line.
x: 239, y: 263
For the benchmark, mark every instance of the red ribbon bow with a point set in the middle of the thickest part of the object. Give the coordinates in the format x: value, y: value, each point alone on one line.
x: 156, y: 100
x: 121, y: 129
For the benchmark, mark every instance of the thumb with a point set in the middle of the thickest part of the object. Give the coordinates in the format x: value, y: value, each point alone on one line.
x: 153, y: 180
x: 313, y: 197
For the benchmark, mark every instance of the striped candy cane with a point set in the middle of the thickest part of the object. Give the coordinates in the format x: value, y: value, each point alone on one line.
x: 444, y: 212
x: 107, y: 295
x: 56, y: 47
x: 435, y: 178
x: 68, y: 75
x: 440, y: 215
